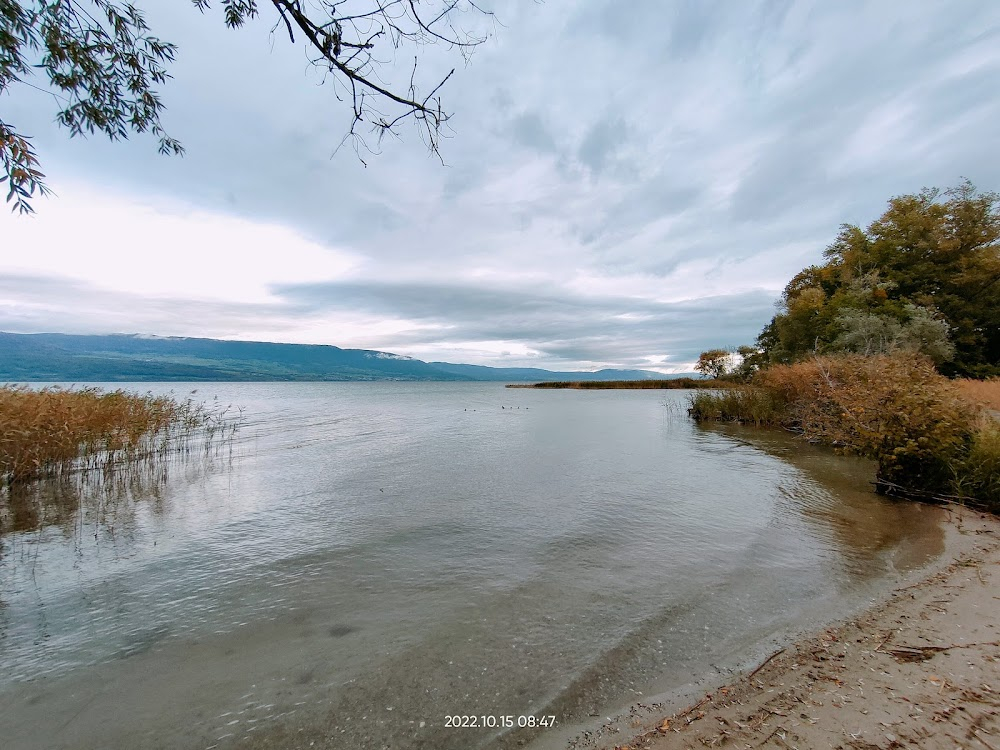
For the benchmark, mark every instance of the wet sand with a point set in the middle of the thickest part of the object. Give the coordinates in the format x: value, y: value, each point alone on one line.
x: 921, y: 669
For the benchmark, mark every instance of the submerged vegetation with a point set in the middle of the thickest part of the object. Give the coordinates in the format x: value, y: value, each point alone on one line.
x: 52, y: 432
x: 858, y: 354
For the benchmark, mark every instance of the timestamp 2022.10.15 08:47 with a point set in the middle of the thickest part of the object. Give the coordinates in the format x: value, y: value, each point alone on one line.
x: 498, y: 721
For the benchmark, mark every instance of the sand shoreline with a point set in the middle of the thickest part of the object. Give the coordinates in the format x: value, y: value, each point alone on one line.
x: 919, y: 669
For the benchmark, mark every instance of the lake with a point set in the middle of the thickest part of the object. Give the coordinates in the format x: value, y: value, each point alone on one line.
x: 366, y: 560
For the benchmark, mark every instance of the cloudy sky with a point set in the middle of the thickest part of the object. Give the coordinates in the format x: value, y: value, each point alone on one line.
x: 626, y: 184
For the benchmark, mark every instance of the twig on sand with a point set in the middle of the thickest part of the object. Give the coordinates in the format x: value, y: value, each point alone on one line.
x: 765, y: 663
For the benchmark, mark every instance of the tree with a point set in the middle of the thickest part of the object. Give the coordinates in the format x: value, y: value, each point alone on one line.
x: 103, y: 66
x: 871, y: 334
x: 714, y: 363
x: 925, y: 276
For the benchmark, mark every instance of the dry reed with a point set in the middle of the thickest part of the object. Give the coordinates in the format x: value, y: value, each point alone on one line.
x: 985, y: 393
x: 53, y: 431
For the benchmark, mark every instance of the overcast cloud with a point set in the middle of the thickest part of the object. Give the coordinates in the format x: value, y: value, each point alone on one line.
x: 626, y: 185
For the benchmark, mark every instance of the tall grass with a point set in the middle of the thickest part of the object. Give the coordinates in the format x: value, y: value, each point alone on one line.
x: 54, y: 431
x: 979, y: 475
x: 746, y: 404
x: 916, y: 424
x: 985, y: 393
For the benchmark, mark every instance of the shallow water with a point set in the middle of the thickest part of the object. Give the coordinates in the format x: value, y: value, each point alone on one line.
x: 368, y: 559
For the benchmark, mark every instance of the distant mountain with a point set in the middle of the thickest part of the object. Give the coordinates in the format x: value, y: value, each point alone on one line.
x: 61, y: 357
x: 119, y: 358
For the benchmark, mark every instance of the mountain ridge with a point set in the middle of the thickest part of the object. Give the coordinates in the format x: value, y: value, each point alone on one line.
x: 62, y: 357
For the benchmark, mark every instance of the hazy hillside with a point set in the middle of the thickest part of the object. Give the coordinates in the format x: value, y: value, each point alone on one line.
x: 119, y: 358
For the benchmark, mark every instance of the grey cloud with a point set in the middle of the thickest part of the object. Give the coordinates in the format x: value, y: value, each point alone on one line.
x: 462, y: 179
x: 690, y: 26
x: 377, y: 217
x: 605, y: 19
x: 602, y: 143
x: 641, y: 203
x: 502, y: 99
x: 680, y: 132
x: 530, y: 131
x: 39, y: 304
x: 786, y: 173
x: 560, y: 324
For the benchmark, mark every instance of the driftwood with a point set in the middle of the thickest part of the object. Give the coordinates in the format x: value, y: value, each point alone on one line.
x: 891, y: 489
x: 923, y: 653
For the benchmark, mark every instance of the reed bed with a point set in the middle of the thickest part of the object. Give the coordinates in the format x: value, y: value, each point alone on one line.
x: 747, y: 404
x: 55, y: 431
x: 980, y: 477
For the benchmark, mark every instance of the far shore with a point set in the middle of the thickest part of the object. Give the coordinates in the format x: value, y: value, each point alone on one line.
x: 921, y: 668
x: 666, y: 383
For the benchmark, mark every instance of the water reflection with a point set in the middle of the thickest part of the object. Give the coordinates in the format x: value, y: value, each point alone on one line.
x: 50, y: 527
x: 838, y: 501
x: 105, y: 498
x: 74, y: 501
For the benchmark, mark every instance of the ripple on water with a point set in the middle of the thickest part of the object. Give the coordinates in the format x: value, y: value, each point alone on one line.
x: 411, y: 546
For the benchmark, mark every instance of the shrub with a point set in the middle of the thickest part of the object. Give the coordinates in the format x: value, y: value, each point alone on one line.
x: 895, y: 409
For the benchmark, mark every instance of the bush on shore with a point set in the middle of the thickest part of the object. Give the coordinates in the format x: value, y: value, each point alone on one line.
x: 895, y: 409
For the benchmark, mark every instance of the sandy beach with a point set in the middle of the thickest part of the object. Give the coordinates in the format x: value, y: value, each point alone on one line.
x: 921, y: 669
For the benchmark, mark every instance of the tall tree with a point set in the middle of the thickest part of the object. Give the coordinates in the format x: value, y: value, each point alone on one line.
x: 103, y: 66
x: 714, y: 363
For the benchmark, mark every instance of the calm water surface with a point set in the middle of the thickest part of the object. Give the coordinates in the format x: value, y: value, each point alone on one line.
x: 370, y: 558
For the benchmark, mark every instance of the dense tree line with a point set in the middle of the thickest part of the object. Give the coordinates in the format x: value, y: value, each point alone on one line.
x: 924, y: 277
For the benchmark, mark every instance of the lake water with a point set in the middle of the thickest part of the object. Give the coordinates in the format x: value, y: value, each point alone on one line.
x: 367, y: 559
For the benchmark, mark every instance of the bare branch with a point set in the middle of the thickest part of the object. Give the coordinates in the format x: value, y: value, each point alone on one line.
x: 288, y: 25
x: 104, y: 68
x: 402, y: 21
